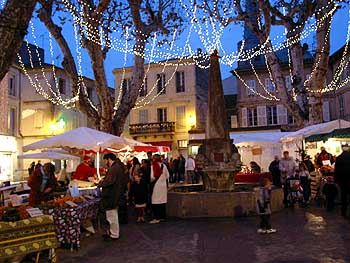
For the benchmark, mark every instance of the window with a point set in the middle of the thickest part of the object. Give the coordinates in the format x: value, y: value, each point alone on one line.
x: 126, y: 83
x: 144, y: 89
x: 291, y: 119
x: 180, y: 81
x: 269, y: 85
x: 143, y: 116
x: 182, y: 143
x: 162, y: 114
x: 251, y: 89
x: 341, y: 106
x: 161, y: 84
x: 282, y: 114
x: 288, y: 81
x: 62, y: 85
x: 127, y: 123
x: 271, y: 115
x: 325, y: 111
x: 12, y: 86
x: 180, y: 117
x: 261, y: 110
x: 252, y: 117
x: 12, y: 122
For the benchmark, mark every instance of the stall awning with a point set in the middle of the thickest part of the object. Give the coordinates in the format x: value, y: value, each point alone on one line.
x: 336, y: 134
x: 162, y: 143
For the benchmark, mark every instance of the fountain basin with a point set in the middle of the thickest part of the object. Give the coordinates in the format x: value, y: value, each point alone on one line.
x: 218, y: 204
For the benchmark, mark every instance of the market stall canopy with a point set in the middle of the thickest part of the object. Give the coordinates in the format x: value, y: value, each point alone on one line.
x: 321, y: 128
x: 83, y: 138
x: 335, y: 134
x: 251, y: 139
x: 48, y: 155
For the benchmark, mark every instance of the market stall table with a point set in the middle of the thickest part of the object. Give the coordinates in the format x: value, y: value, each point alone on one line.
x: 25, y: 236
x: 251, y: 177
x: 69, y: 220
x: 3, y: 190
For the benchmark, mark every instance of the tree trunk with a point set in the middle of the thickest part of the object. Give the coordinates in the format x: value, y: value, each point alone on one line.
x: 68, y: 63
x: 320, y: 67
x: 131, y: 95
x: 14, y: 20
x: 97, y: 62
x: 285, y: 97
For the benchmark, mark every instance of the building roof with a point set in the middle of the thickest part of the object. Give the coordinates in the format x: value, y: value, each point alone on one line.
x: 337, y: 54
x: 282, y: 55
x: 230, y: 85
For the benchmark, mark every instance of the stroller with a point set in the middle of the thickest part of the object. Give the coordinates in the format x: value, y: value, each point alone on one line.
x: 295, y: 192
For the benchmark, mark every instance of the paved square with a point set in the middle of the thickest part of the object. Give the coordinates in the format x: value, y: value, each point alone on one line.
x: 309, y: 235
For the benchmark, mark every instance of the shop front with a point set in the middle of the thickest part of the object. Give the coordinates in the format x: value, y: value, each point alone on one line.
x: 8, y: 161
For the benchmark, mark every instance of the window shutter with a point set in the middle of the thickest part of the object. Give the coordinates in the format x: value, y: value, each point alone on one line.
x: 180, y: 117
x: 234, y: 123
x: 282, y: 114
x: 261, y: 115
x: 244, y: 117
x: 325, y: 110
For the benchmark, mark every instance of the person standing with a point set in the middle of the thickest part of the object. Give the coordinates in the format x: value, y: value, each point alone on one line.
x: 181, y: 169
x: 84, y: 170
x: 175, y: 167
x: 190, y: 166
x: 42, y: 184
x: 275, y: 172
x: 159, y: 176
x: 342, y: 177
x: 31, y: 168
x: 264, y: 207
x: 134, y: 169
x: 113, y: 187
x: 138, y: 195
x: 324, y: 156
x: 287, y: 167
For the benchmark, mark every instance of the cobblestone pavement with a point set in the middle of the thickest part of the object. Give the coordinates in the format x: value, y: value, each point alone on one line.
x: 304, y: 235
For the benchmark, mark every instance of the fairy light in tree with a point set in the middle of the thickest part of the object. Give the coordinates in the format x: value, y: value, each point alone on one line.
x: 342, y: 65
x: 117, y: 103
x: 80, y: 70
x: 138, y: 104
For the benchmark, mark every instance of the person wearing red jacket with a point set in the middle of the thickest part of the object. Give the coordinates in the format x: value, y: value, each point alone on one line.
x: 84, y: 170
x: 42, y: 184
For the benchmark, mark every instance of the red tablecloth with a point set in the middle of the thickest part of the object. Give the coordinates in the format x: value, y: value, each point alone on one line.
x: 251, y: 177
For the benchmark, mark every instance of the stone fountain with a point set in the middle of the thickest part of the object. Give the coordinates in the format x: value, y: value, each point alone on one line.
x: 218, y: 156
x: 220, y: 162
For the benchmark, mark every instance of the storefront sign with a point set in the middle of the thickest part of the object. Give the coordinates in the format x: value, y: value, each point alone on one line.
x: 257, y: 151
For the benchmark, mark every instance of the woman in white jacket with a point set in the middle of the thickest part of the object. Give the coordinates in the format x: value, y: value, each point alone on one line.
x: 159, y: 176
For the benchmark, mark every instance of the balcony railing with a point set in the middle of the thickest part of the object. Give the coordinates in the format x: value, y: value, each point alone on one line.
x: 151, y: 128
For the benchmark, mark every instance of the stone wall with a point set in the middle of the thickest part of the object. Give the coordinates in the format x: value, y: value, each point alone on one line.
x: 229, y: 204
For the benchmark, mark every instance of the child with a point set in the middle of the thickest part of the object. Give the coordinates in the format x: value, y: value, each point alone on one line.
x: 330, y: 191
x: 264, y: 209
x: 305, y: 180
x: 138, y: 194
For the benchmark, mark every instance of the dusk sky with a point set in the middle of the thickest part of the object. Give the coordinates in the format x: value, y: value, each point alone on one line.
x: 228, y: 39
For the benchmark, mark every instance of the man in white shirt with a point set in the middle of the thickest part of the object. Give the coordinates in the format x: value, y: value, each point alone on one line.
x: 190, y: 167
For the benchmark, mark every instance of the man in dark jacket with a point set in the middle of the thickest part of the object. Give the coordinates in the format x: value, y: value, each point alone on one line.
x: 113, y: 187
x: 342, y: 177
x: 275, y: 172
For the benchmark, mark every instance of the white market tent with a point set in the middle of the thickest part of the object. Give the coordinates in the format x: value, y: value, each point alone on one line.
x: 83, y: 138
x: 293, y: 142
x: 267, y: 142
x: 48, y: 155
x: 315, y: 129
